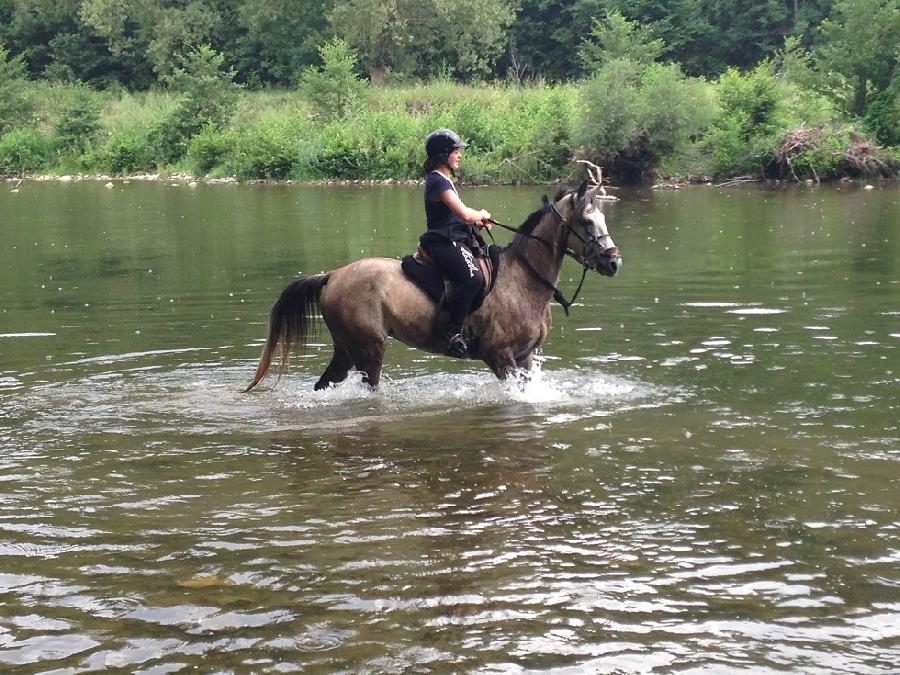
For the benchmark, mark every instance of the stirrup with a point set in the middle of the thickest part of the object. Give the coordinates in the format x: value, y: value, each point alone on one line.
x: 457, y: 347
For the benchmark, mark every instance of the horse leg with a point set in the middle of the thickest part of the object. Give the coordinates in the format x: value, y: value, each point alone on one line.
x: 337, y: 369
x: 369, y: 358
x: 503, y: 364
x: 526, y: 362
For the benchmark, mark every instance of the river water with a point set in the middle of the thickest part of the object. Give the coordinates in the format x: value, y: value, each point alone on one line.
x: 703, y: 476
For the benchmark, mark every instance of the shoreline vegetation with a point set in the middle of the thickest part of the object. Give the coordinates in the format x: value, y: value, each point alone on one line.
x: 180, y: 179
x: 693, y: 131
x: 643, y: 119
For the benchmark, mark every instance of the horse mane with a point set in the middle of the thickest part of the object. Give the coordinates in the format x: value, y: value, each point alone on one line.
x: 535, y: 217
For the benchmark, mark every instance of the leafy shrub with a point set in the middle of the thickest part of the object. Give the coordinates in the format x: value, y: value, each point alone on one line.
x: 883, y: 116
x: 206, y: 97
x: 334, y: 88
x: 15, y: 104
x: 209, y: 149
x: 267, y: 150
x: 79, y: 120
x: 750, y: 118
x: 24, y: 150
x: 616, y: 37
x: 629, y: 116
x: 126, y: 152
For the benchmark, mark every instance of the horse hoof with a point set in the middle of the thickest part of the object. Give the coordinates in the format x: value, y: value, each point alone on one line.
x: 457, y: 347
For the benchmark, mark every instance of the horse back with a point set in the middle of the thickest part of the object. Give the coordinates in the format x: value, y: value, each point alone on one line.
x: 373, y: 295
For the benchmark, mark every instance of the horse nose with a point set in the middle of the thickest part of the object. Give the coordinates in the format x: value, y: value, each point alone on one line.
x: 614, y: 264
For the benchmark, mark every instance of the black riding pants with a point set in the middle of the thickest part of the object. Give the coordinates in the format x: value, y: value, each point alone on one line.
x: 457, y: 265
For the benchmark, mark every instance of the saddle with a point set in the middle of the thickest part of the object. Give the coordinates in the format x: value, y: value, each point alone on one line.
x: 421, y: 270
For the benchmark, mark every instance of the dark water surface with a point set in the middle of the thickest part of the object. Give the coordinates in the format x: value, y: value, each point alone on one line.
x: 704, y: 477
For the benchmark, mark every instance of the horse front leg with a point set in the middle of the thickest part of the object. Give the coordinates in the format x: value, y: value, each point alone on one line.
x: 502, y: 363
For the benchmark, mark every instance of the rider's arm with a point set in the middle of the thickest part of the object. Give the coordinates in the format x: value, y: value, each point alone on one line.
x: 477, y: 216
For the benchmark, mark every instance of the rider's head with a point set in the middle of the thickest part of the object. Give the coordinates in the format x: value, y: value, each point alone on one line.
x: 438, y: 146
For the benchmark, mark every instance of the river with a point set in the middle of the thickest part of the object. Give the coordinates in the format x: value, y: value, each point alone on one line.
x: 702, y: 477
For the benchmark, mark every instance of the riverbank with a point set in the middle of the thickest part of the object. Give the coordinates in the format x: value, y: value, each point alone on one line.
x: 516, y: 135
x: 179, y: 179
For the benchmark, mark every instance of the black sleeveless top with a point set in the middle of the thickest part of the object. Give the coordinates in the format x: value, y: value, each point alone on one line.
x: 441, y: 220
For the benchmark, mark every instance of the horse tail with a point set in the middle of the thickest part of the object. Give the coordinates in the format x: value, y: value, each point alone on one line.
x: 290, y: 319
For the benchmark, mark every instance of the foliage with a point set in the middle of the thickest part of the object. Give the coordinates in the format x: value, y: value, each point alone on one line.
x: 619, y: 38
x: 634, y: 110
x: 209, y: 149
x: 335, y: 87
x: 15, y: 106
x: 422, y: 36
x: 266, y: 150
x: 276, y: 39
x: 79, y: 121
x: 748, y: 122
x: 24, y: 150
x: 883, y: 115
x: 126, y: 152
x: 857, y: 49
x: 828, y: 152
x: 156, y: 29
x: 206, y: 97
x: 515, y: 133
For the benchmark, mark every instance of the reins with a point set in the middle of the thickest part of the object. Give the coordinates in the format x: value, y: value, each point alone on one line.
x: 557, y: 294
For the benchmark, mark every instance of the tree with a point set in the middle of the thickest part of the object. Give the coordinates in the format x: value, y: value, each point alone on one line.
x: 377, y: 30
x: 335, y: 88
x: 14, y: 104
x: 275, y: 39
x: 634, y: 110
x: 618, y: 38
x: 207, y: 97
x: 858, y: 51
x: 153, y: 28
x: 422, y: 36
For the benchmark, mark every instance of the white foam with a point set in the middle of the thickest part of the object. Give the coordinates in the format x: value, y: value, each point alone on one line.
x: 13, y: 335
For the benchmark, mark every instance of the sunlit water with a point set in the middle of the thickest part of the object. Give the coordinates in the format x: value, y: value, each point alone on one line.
x: 701, y: 476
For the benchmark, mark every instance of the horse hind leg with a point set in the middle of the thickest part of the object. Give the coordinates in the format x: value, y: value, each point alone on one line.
x: 337, y: 369
x: 369, y: 358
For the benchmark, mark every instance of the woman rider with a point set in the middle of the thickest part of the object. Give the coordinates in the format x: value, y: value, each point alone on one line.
x: 452, y: 233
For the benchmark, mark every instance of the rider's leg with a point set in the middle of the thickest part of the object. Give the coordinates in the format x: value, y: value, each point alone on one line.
x: 458, y: 266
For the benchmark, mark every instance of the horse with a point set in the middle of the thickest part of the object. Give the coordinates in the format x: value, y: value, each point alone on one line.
x: 370, y: 300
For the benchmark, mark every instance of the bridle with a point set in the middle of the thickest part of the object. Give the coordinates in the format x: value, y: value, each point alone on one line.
x: 591, y: 244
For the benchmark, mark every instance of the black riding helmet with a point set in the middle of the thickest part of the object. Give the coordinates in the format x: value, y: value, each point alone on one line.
x: 442, y: 142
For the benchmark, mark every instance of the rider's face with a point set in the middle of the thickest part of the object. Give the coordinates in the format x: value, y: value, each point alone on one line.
x: 454, y: 158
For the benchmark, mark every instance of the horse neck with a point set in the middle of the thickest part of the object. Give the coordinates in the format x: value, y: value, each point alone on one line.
x: 542, y: 259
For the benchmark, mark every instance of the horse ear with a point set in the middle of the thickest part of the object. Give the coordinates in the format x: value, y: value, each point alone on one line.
x: 582, y: 189
x: 544, y: 200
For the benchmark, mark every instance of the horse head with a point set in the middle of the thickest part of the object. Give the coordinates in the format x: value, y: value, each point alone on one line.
x: 587, y: 235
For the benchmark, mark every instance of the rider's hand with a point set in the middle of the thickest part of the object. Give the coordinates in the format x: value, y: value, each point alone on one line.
x: 484, y: 219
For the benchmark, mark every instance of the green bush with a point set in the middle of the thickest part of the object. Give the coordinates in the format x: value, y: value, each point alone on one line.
x: 883, y: 116
x: 334, y: 88
x: 23, y: 151
x: 210, y: 149
x: 79, y: 119
x: 630, y: 115
x: 751, y: 116
x: 206, y: 98
x: 15, y: 101
x: 126, y: 152
x: 266, y: 150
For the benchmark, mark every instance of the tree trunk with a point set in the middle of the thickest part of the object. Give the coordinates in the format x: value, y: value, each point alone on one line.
x: 376, y: 75
x: 860, y: 94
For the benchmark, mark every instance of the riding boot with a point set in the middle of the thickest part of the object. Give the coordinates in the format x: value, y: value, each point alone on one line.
x: 456, y: 344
